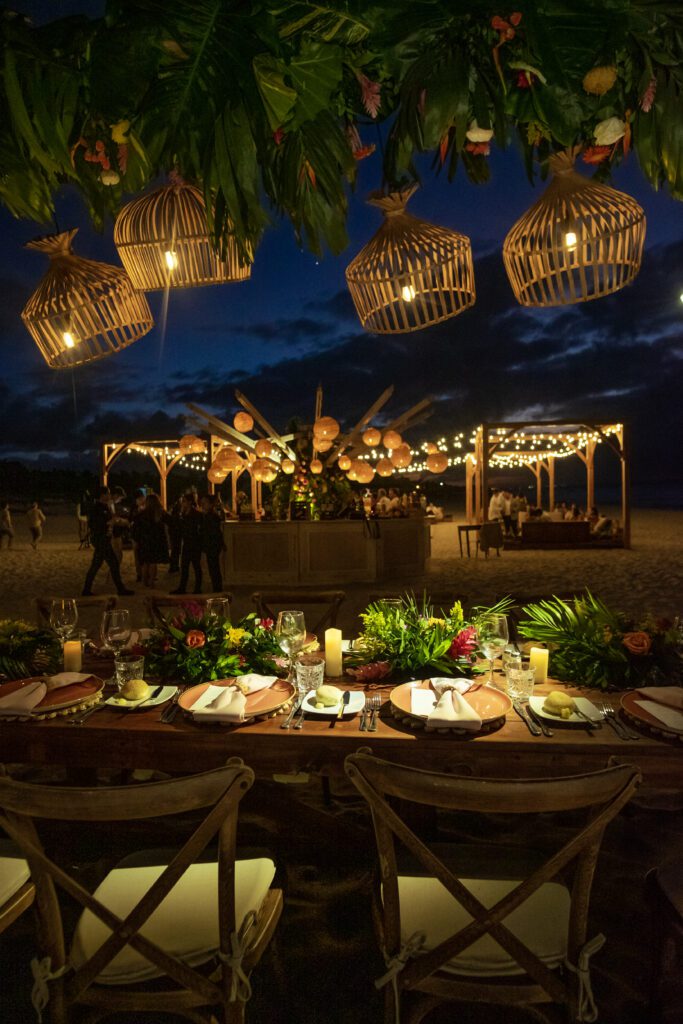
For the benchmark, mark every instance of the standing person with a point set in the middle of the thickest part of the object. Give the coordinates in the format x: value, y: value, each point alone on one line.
x: 507, y: 513
x: 120, y: 522
x: 135, y: 512
x: 175, y: 536
x: 191, y: 550
x: 6, y: 528
x: 496, y: 505
x: 212, y: 539
x: 152, y: 538
x: 515, y: 506
x: 100, y: 533
x: 36, y: 518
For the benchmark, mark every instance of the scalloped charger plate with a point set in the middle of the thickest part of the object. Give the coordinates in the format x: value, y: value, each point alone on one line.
x: 489, y: 703
x: 263, y: 702
x: 60, y: 698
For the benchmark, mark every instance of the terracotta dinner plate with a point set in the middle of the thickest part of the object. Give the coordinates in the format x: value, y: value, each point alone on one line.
x: 62, y: 697
x: 640, y: 716
x: 489, y: 703
x: 263, y: 702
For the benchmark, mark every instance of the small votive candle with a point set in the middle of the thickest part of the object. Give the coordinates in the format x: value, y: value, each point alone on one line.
x: 538, y: 660
x: 333, y: 652
x: 73, y: 656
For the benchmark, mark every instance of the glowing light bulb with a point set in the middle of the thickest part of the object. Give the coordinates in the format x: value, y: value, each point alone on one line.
x: 681, y: 296
x: 69, y: 339
x: 570, y: 241
x: 171, y: 258
x: 408, y: 293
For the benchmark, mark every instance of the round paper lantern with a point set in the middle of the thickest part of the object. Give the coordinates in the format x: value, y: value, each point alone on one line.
x: 411, y: 273
x: 385, y: 467
x: 372, y: 437
x: 316, y: 466
x: 323, y: 446
x: 287, y: 466
x: 581, y: 240
x: 269, y: 472
x: 326, y: 428
x: 392, y: 439
x: 431, y: 448
x: 82, y: 310
x: 163, y: 241
x: 365, y: 473
x: 344, y: 462
x: 190, y: 444
x: 243, y: 422
x: 259, y: 468
x: 216, y: 475
x: 401, y: 457
x: 437, y: 462
x: 263, y: 449
x: 355, y: 466
x: 226, y: 458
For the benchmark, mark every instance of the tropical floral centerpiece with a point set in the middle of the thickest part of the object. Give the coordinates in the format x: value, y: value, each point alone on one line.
x: 194, y: 647
x: 27, y: 650
x: 594, y: 646
x: 411, y: 639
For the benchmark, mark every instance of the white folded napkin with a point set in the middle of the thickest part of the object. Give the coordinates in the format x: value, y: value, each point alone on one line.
x: 23, y: 700
x: 671, y: 696
x: 228, y: 703
x: 670, y: 717
x: 66, y: 679
x: 450, y: 708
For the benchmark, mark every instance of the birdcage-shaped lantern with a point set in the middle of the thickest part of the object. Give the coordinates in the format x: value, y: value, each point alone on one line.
x: 163, y: 240
x: 411, y: 274
x: 581, y: 240
x: 82, y: 309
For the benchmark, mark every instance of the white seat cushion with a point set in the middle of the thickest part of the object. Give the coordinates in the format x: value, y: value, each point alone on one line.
x: 185, y: 924
x: 14, y: 872
x: 541, y: 922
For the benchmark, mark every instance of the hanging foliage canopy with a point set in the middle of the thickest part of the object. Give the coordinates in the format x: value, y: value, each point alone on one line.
x: 268, y: 106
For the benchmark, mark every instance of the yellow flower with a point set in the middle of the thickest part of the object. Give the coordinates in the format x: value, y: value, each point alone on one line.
x: 234, y: 636
x: 119, y: 132
x: 436, y: 622
x: 600, y: 80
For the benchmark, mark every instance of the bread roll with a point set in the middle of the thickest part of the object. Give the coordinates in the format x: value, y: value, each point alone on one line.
x: 135, y: 689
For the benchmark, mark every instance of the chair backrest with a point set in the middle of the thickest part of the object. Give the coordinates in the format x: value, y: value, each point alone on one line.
x: 220, y: 790
x: 90, y: 611
x: 17, y: 891
x: 490, y: 536
x: 600, y: 794
x: 159, y: 608
x: 269, y: 603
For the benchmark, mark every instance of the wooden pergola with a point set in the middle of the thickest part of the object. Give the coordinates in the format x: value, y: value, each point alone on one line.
x: 164, y: 454
x: 537, y: 446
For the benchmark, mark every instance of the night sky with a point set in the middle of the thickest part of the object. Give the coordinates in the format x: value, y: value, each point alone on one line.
x: 293, y: 325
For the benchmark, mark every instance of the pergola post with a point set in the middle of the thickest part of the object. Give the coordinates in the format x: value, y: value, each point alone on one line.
x: 590, y: 474
x: 551, y: 482
x: 624, y: 439
x: 469, y: 468
x: 539, y: 483
x: 484, y: 497
x: 233, y: 486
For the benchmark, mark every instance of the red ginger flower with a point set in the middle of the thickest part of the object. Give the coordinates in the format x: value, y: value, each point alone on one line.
x: 596, y: 154
x: 649, y: 96
x: 478, y: 148
x: 464, y: 644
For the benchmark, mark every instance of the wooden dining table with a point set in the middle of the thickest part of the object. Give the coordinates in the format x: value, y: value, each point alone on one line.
x: 113, y: 739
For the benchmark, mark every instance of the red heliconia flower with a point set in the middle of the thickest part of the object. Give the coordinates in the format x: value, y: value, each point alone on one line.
x: 648, y: 97
x: 525, y: 79
x: 278, y: 136
x: 464, y: 644
x: 122, y: 157
x: 370, y: 94
x: 478, y: 148
x: 596, y: 154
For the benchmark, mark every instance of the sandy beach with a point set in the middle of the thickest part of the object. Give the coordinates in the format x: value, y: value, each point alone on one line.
x: 648, y: 577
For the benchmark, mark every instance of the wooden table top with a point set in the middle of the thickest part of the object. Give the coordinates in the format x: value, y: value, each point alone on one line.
x: 113, y: 739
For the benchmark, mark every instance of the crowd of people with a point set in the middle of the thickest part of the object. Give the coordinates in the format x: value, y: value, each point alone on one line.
x: 510, y: 509
x: 35, y: 518
x: 178, y: 539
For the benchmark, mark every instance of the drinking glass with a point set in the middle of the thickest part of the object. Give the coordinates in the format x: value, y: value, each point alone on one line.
x: 218, y: 608
x: 63, y: 617
x: 127, y: 667
x: 116, y: 629
x: 493, y: 638
x: 520, y: 682
x: 291, y: 634
x: 310, y: 672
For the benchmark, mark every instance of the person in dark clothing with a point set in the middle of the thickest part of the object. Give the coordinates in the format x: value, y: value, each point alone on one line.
x: 137, y: 508
x: 100, y: 518
x: 152, y: 539
x: 212, y: 539
x: 175, y: 536
x: 191, y: 551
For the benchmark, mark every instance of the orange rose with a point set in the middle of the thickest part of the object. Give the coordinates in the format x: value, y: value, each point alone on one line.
x: 637, y: 643
x: 195, y: 638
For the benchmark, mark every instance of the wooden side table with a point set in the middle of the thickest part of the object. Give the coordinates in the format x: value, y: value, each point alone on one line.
x: 467, y: 528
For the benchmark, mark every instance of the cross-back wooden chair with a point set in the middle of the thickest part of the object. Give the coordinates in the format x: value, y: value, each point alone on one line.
x: 17, y: 891
x: 90, y: 610
x: 269, y: 603
x: 474, y: 936
x: 144, y: 923
x: 159, y: 608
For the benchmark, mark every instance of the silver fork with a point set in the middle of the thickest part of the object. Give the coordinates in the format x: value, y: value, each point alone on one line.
x: 375, y: 705
x: 367, y: 708
x: 609, y: 713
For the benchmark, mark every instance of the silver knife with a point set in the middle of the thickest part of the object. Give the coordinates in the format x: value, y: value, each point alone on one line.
x: 531, y: 726
x: 296, y: 704
x: 155, y: 693
x: 539, y: 721
x: 344, y: 703
x: 586, y: 718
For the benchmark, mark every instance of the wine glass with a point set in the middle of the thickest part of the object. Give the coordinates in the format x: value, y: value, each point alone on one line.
x: 115, y: 629
x: 493, y: 638
x: 217, y: 608
x: 63, y: 617
x: 291, y: 634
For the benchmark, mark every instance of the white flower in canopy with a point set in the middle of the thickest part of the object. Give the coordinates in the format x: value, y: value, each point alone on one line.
x: 610, y: 131
x: 477, y: 134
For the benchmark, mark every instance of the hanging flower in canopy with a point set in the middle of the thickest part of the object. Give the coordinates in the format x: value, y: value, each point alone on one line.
x: 609, y: 131
x: 358, y: 150
x: 109, y: 178
x: 596, y: 154
x: 119, y: 132
x: 648, y: 96
x: 477, y: 134
x: 478, y: 148
x: 600, y: 80
x: 370, y: 94
x: 506, y: 32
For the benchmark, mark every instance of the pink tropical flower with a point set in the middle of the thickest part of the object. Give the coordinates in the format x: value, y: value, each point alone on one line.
x: 464, y: 644
x: 370, y: 94
x: 278, y: 136
x: 267, y: 623
x: 369, y: 673
x: 649, y: 96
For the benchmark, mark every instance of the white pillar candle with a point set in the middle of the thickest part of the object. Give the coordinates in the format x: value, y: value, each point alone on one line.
x: 73, y: 658
x: 333, y: 652
x: 538, y: 660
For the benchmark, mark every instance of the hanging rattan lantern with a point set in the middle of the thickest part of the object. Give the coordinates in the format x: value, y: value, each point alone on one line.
x: 392, y: 440
x: 411, y: 274
x: 82, y: 310
x: 437, y: 462
x: 287, y: 466
x: 190, y: 444
x: 401, y: 457
x: 365, y: 473
x: 372, y: 437
x: 326, y: 428
x: 227, y: 458
x: 316, y: 466
x: 322, y: 446
x: 263, y: 449
x: 344, y: 462
x: 243, y: 422
x: 163, y: 240
x: 385, y: 467
x: 581, y: 240
x: 216, y: 474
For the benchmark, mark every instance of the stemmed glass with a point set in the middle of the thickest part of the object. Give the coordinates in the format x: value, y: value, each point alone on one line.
x: 217, y: 608
x: 493, y: 638
x: 116, y: 629
x: 291, y: 634
x: 63, y: 617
